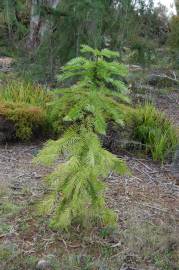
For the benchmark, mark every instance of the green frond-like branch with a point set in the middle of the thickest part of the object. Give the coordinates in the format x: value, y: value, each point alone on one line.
x: 76, y: 186
x: 76, y: 183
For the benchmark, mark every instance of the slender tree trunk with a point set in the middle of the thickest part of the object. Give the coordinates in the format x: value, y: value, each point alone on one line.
x: 46, y: 24
x: 34, y: 23
x: 38, y: 25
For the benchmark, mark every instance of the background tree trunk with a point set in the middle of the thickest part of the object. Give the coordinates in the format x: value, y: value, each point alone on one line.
x: 39, y: 26
x: 46, y: 24
x: 34, y: 23
x: 177, y: 6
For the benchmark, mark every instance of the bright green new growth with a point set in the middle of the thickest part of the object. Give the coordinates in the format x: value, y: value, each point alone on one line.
x: 77, y: 190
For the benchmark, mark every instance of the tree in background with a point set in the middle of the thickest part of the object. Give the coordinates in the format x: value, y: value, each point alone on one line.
x: 173, y: 39
x: 177, y: 6
x: 54, y: 29
x: 39, y: 24
x: 13, y: 20
x: 174, y: 34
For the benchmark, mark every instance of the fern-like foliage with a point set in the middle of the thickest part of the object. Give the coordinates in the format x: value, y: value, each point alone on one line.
x: 77, y: 190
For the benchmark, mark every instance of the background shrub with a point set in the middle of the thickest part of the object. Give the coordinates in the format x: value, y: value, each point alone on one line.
x: 155, y: 131
x: 25, y: 104
x: 22, y: 92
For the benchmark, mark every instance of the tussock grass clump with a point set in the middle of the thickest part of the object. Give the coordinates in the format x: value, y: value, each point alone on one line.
x: 22, y: 92
x: 25, y: 105
x: 155, y: 131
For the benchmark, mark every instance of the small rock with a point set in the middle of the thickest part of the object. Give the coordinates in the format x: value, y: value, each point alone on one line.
x: 43, y: 265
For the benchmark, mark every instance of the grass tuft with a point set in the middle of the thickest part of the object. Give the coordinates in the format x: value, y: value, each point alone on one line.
x: 25, y: 105
x: 154, y: 130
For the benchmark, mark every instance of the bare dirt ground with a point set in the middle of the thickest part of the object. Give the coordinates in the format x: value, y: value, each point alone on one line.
x: 16, y: 168
x: 149, y: 194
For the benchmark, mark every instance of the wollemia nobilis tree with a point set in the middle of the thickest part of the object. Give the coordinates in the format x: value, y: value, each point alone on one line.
x: 76, y: 186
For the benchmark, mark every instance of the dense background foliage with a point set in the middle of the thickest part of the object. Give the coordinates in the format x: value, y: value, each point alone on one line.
x: 46, y: 34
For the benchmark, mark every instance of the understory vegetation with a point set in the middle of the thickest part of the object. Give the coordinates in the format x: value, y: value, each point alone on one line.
x: 154, y: 131
x: 24, y: 104
x: 22, y: 92
x: 32, y: 108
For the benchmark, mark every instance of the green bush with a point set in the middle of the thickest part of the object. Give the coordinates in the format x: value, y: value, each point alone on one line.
x: 155, y: 131
x: 25, y: 105
x: 27, y: 120
x: 77, y: 192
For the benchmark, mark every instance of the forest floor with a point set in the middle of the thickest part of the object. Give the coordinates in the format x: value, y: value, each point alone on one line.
x: 147, y: 204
